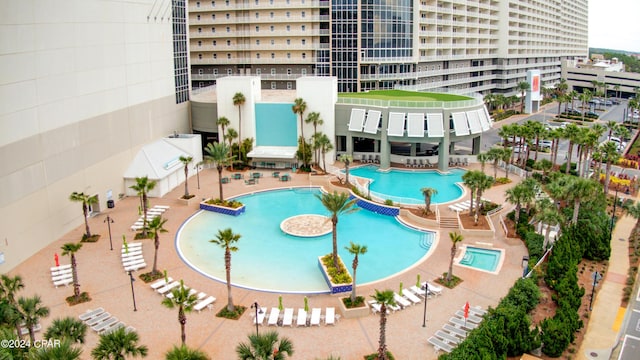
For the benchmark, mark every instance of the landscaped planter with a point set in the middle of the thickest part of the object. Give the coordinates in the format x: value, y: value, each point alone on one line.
x: 335, y: 288
x: 189, y: 201
x: 354, y: 312
x: 222, y: 209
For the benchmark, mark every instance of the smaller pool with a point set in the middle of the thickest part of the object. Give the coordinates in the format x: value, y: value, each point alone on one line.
x: 489, y: 260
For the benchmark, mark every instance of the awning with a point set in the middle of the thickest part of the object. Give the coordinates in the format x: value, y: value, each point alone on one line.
x: 273, y: 152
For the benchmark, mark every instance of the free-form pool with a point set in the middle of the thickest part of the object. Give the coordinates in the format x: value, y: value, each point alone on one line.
x: 488, y: 260
x: 403, y: 186
x: 267, y: 259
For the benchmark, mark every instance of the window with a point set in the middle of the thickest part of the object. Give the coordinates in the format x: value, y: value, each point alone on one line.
x: 271, y: 28
x: 257, y: 2
x: 215, y: 56
x: 288, y: 71
x: 213, y: 4
x: 199, y: 56
x: 303, y: 72
x: 288, y: 27
x: 257, y: 28
x: 303, y: 27
x: 273, y: 71
x: 228, y: 55
x: 273, y: 55
x: 303, y: 14
x: 288, y: 2
x: 229, y: 71
x: 289, y: 86
x: 288, y: 55
x: 214, y: 42
x: 200, y: 71
x: 199, y: 30
x: 304, y: 41
x: 199, y: 43
x: 213, y: 16
x: 257, y: 15
x: 228, y: 42
x: 198, y: 4
x: 288, y: 41
x: 270, y: 2
x: 273, y: 85
x: 213, y: 29
x: 288, y: 14
x: 215, y: 71
x: 198, y: 17
x: 227, y: 15
x: 258, y: 56
x: 271, y: 14
x: 226, y: 2
x: 304, y: 55
x: 258, y: 71
x: 228, y: 29
x: 273, y: 42
x: 257, y: 41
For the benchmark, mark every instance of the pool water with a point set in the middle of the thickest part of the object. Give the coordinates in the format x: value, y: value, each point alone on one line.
x: 269, y: 260
x: 482, y: 259
x: 404, y: 186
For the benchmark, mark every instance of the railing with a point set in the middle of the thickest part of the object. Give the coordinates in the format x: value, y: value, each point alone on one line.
x: 504, y: 226
x: 410, y: 104
x: 437, y: 214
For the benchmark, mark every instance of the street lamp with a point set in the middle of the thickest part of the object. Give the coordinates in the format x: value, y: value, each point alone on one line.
x: 613, y: 214
x: 425, y: 287
x: 197, y: 168
x: 133, y: 294
x: 109, y: 221
x: 596, y: 277
x: 258, y: 310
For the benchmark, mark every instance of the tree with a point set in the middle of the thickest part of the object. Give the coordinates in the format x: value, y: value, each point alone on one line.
x: 580, y: 189
x: 67, y: 328
x: 346, y: 160
x: 220, y: 155
x: 484, y: 182
x: 471, y: 180
x: 9, y: 288
x: 314, y: 119
x: 506, y: 157
x: 86, y: 201
x: 585, y: 97
x: 184, y: 301
x: 230, y: 136
x: 265, y: 346
x: 571, y: 133
x: 225, y: 239
x: 337, y: 204
x: 156, y: 226
x: 71, y: 249
x: 239, y: 100
x: 355, y: 250
x: 610, y: 155
x: 495, y: 155
x: 547, y: 214
x: 483, y: 158
x: 64, y: 350
x: 325, y: 146
x: 384, y: 298
x: 428, y: 192
x: 518, y: 195
x: 523, y: 87
x: 143, y: 186
x: 185, y: 353
x: 119, y: 344
x: 223, y: 122
x: 186, y: 160
x: 298, y: 108
x: 32, y: 310
x: 455, y: 239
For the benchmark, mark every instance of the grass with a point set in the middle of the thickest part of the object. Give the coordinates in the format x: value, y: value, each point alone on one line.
x: 235, y: 315
x: 405, y: 95
x: 93, y: 238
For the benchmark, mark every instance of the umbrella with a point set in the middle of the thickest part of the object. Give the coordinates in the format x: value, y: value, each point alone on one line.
x: 466, y: 313
x: 124, y: 243
x: 400, y: 292
x: 418, y: 280
x: 306, y: 304
x: 55, y: 258
x: 280, y: 307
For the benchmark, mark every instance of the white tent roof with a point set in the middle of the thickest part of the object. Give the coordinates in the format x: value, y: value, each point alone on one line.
x: 156, y: 161
x: 273, y: 152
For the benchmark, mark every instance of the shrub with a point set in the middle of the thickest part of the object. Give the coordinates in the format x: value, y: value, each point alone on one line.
x: 358, y: 303
x: 341, y: 277
x: 234, y: 204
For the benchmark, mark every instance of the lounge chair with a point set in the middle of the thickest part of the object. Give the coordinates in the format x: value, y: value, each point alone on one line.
x: 166, y: 288
x: 65, y: 282
x: 160, y: 283
x: 111, y: 328
x: 455, y: 331
x: 315, y: 316
x: 401, y: 301
x: 287, y: 318
x: 456, y: 321
x: 131, y: 258
x: 97, y: 319
x: 448, y: 338
x: 134, y: 261
x: 24, y: 330
x: 105, y: 324
x: 90, y: 314
x: 421, y: 163
x: 191, y: 292
x: 61, y: 277
x: 261, y: 315
x: 474, y: 319
x: 162, y: 207
x: 476, y: 310
x: 61, y: 267
x: 61, y: 272
x: 301, y: 320
x: 440, y: 345
x: 273, y: 317
x: 456, y: 208
x: 429, y: 164
x: 433, y: 289
x: 135, y: 267
x: 377, y: 159
x: 415, y: 163
x: 465, y: 162
x: 418, y: 291
x: 411, y: 296
x: 205, y: 303
x: 408, y: 163
x: 330, y: 316
x: 225, y: 180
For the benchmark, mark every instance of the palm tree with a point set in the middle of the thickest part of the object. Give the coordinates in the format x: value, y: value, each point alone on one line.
x: 355, y: 250
x: 483, y: 158
x: 325, y: 147
x: 223, y: 122
x: 119, y: 344
x: 517, y: 195
x: 156, y: 226
x: 494, y: 154
x: 298, y: 108
x: 384, y: 298
x: 548, y: 214
x: 239, y: 100
x: 571, y: 133
x: 67, y: 328
x: 86, y: 201
x: 314, y: 119
x: 573, y: 94
x: 428, y: 192
x: 523, y: 87
x: 484, y: 182
x: 585, y: 97
x: 337, y: 204
x: 9, y: 288
x: 64, y: 350
x: 220, y: 155
x: 346, y: 159
x: 225, y: 239
x: 610, y: 155
x: 71, y: 249
x: 265, y: 346
x: 455, y: 239
x: 186, y: 160
x: 230, y: 136
x: 184, y: 301
x: 471, y: 180
x: 32, y: 310
x: 143, y: 186
x: 545, y: 165
x: 538, y: 131
x: 506, y: 158
x: 185, y: 353
x: 580, y: 189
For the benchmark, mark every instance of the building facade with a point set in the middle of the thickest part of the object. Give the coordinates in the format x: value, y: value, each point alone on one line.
x: 582, y: 74
x: 469, y: 45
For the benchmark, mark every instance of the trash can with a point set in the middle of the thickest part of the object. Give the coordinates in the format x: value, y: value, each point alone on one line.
x: 111, y: 204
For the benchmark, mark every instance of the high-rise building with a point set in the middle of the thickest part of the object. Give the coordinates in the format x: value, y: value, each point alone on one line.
x: 470, y: 45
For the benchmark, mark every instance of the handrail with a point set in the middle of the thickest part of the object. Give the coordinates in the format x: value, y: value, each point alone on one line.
x: 437, y: 214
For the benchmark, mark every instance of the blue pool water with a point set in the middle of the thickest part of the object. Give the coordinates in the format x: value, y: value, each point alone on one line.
x: 404, y: 186
x: 267, y: 259
x: 483, y: 259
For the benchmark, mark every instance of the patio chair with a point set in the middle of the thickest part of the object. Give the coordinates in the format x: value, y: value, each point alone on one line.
x: 301, y: 320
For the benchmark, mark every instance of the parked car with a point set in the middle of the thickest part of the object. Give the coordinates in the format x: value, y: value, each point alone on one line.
x: 592, y: 114
x: 519, y: 149
x: 572, y: 112
x: 545, y: 144
x: 608, y: 103
x: 615, y: 101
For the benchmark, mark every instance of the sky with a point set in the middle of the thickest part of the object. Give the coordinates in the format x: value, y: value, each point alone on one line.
x: 614, y: 24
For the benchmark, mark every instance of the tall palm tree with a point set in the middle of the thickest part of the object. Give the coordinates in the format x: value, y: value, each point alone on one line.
x: 156, y: 226
x: 314, y: 119
x: 143, y: 186
x: 230, y: 136
x: 86, y: 201
x: 325, y: 146
x: 611, y: 125
x: 9, y: 288
x: 483, y: 158
x: 346, y: 159
x: 185, y: 353
x: 298, y: 108
x: 71, y: 249
x: 226, y: 239
x: 184, y: 301
x: 220, y: 155
x: 186, y: 160
x: 471, y: 179
x: 118, y: 345
x: 67, y: 328
x: 506, y: 157
x: 523, y: 87
x: 610, y: 155
x: 455, y: 239
x: 355, y: 250
x: 538, y: 131
x: 495, y: 155
x: 428, y: 192
x: 580, y: 189
x: 571, y: 133
x: 32, y: 310
x: 64, y: 350
x: 573, y: 94
x: 517, y: 195
x: 239, y: 100
x: 385, y: 298
x: 548, y: 214
x: 223, y: 122
x: 337, y: 204
x: 265, y: 346
x: 484, y: 182
x: 585, y: 97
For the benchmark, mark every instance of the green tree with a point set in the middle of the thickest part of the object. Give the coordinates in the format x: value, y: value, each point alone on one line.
x: 571, y: 133
x: 265, y: 346
x: 223, y: 122
x: 186, y: 160
x: 226, y: 239
x: 86, y: 201
x: 143, y: 186
x: 484, y: 183
x: 230, y: 136
x: 483, y: 158
x: 118, y: 345
x: 239, y: 100
x: 384, y: 298
x: 184, y: 301
x: 337, y: 204
x: 610, y: 155
x: 156, y: 226
x: 472, y: 179
x: 455, y: 239
x: 523, y: 87
x: 580, y: 189
x: 427, y: 193
x: 346, y: 159
x: 185, y: 353
x: 324, y: 147
x: 494, y: 155
x: 9, y: 288
x: 314, y: 119
x: 62, y: 351
x: 71, y: 249
x: 32, y: 310
x: 355, y: 250
x: 298, y: 108
x: 220, y: 155
x: 67, y: 328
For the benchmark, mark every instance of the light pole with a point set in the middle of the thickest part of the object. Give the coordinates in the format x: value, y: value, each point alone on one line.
x: 425, y: 287
x: 197, y: 168
x: 613, y: 214
x: 109, y: 221
x: 258, y: 310
x: 133, y: 294
x: 596, y: 277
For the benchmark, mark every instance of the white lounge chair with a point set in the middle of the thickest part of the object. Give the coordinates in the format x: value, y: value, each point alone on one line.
x: 162, y: 207
x: 315, y: 316
x: 24, y: 330
x: 61, y: 272
x: 204, y: 303
x: 456, y: 321
x: 448, y: 338
x: 418, y: 291
x: 273, y: 317
x: 111, y: 328
x: 476, y: 310
x: 433, y: 289
x: 65, y: 282
x: 191, y: 292
x: 401, y: 301
x: 301, y: 320
x: 130, y: 245
x: 440, y: 345
x: 61, y: 277
x: 135, y: 267
x: 91, y: 313
x: 105, y: 324
x: 474, y: 319
x: 134, y: 261
x: 61, y: 267
x: 262, y: 313
x: 131, y: 258
x: 411, y: 296
x: 454, y: 330
x: 287, y: 318
x: 160, y: 283
x: 168, y: 287
x: 330, y: 316
x: 97, y: 319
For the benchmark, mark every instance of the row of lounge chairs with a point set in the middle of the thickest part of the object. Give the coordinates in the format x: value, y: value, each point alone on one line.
x: 102, y: 322
x: 132, y: 258
x: 462, y: 206
x: 61, y: 275
x: 153, y: 212
x: 410, y: 296
x: 370, y: 159
x: 164, y: 287
x: 286, y: 317
x: 419, y: 163
x: 458, y: 162
x: 456, y: 330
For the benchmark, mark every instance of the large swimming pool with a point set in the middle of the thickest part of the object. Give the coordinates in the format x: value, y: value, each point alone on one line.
x: 269, y: 260
x: 403, y: 186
